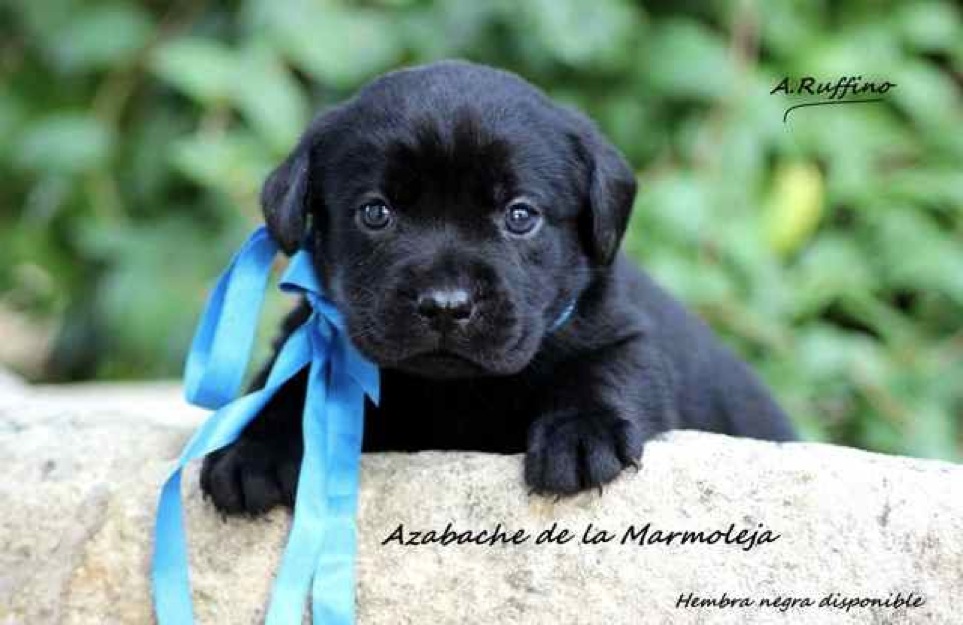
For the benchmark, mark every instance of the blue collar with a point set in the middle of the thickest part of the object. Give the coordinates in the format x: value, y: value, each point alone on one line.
x: 564, y: 316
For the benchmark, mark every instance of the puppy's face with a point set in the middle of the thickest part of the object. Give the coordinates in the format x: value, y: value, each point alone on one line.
x: 454, y: 214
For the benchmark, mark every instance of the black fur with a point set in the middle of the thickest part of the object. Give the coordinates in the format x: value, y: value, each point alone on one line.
x: 448, y: 146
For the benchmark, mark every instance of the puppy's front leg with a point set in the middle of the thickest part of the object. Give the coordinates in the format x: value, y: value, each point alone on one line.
x: 600, y: 412
x: 260, y: 469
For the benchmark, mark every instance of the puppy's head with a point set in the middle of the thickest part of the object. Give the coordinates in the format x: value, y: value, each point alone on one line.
x: 454, y: 212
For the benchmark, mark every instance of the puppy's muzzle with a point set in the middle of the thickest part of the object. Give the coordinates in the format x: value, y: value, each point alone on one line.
x: 446, y: 308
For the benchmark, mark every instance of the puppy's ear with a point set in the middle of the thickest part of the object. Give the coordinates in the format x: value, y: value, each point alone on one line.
x: 610, y: 194
x: 284, y: 199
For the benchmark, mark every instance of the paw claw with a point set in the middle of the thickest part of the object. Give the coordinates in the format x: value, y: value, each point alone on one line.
x: 247, y: 479
x: 570, y: 452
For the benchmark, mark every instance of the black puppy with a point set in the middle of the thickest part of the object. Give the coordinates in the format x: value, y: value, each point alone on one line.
x: 468, y: 227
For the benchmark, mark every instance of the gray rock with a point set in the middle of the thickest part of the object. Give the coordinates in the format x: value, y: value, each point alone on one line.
x: 82, y: 467
x: 9, y: 382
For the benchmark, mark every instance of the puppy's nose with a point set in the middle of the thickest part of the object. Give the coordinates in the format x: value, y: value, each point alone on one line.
x: 446, y: 306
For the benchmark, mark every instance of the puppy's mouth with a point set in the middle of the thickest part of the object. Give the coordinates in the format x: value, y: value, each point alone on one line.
x: 488, y: 349
x: 441, y: 364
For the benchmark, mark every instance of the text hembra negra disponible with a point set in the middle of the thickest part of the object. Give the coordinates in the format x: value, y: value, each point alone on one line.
x: 784, y: 603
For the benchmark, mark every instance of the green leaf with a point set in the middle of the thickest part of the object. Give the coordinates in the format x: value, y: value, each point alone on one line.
x: 937, y: 186
x: 835, y: 358
x: 859, y: 50
x: 607, y: 30
x: 852, y: 141
x: 787, y: 28
x: 234, y: 163
x: 65, y: 143
x: 795, y: 206
x: 818, y: 281
x: 464, y: 23
x: 12, y: 119
x: 336, y: 45
x: 929, y: 26
x: 270, y: 98
x: 698, y: 283
x: 914, y: 254
x: 932, y: 431
x: 136, y: 300
x: 684, y: 59
x: 677, y: 205
x: 103, y: 36
x: 928, y: 96
x: 203, y: 69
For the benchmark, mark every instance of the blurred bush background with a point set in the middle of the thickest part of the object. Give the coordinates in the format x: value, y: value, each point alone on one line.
x: 827, y: 250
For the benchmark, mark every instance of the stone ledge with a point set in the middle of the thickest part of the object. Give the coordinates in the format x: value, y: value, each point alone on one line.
x: 83, y: 465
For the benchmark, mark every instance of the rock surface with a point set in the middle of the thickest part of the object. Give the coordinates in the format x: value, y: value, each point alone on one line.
x: 82, y: 466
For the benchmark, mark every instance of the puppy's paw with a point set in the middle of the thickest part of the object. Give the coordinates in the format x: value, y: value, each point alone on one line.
x: 251, y: 476
x: 569, y: 452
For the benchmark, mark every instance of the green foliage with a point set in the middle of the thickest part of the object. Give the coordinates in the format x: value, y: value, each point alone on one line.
x: 827, y: 250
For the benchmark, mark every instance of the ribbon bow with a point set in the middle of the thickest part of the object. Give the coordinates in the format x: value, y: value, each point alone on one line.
x: 321, y: 547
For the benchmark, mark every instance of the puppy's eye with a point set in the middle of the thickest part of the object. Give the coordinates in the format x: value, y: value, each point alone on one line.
x: 375, y: 215
x: 521, y: 218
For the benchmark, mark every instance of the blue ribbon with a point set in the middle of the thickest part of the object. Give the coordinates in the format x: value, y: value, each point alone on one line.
x: 322, y: 544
